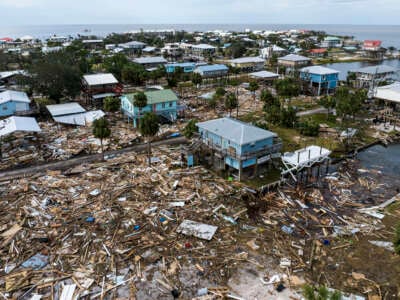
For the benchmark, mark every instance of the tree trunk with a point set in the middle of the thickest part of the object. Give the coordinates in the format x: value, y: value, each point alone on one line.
x: 1, y: 153
x: 102, y: 149
x: 149, y: 152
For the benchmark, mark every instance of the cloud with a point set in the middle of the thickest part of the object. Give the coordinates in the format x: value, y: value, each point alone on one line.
x: 199, y: 11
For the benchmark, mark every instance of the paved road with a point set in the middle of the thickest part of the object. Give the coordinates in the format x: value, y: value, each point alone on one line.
x: 66, y: 164
x: 320, y: 110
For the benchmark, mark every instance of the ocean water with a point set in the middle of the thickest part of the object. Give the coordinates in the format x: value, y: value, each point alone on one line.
x: 390, y: 35
x: 345, y: 67
x: 385, y: 159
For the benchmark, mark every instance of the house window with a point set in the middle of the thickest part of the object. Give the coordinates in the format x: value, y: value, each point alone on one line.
x: 4, y: 107
x: 163, y: 105
x: 170, y: 104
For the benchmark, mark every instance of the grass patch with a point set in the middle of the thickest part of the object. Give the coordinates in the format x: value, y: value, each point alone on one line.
x: 322, y: 119
x: 268, y: 177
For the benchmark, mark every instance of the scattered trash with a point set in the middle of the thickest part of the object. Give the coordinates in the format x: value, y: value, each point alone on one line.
x: 199, y: 230
x: 36, y: 262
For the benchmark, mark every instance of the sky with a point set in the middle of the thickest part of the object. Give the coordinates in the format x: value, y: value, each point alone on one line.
x: 45, y: 12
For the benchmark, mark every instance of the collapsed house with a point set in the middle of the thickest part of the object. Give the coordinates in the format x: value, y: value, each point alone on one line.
x: 73, y: 114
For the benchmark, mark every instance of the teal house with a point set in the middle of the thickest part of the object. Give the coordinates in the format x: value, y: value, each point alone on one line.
x: 237, y: 145
x: 163, y: 103
x: 187, y: 67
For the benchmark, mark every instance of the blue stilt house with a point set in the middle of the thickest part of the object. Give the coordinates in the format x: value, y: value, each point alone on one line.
x: 321, y: 80
x: 238, y: 145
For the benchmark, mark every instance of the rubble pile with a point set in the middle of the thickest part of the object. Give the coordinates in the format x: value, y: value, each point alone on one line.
x: 99, y: 225
x: 60, y: 142
x: 122, y: 229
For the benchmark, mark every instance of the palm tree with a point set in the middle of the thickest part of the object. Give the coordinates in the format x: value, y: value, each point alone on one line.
x: 231, y: 102
x: 140, y: 101
x: 253, y: 87
x: 149, y: 127
x: 101, y: 131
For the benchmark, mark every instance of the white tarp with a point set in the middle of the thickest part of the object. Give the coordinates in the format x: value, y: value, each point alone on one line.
x: 13, y: 124
x: 199, y: 230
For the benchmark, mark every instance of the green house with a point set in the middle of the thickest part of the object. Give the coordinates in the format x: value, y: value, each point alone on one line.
x: 163, y: 103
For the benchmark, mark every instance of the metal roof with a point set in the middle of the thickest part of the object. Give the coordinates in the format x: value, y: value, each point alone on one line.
x: 376, y: 70
x: 264, y: 74
x: 13, y: 124
x: 210, y: 68
x: 389, y: 92
x: 132, y: 45
x: 7, y: 74
x: 250, y: 59
x: 15, y: 96
x: 154, y: 97
x: 100, y: 79
x: 65, y: 109
x: 332, y: 38
x: 150, y: 60
x: 182, y: 65
x: 319, y: 70
x: 294, y: 57
x: 236, y: 131
x: 80, y: 119
x: 203, y: 46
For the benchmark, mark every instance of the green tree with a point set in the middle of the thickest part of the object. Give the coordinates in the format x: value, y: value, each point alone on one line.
x: 172, y: 82
x: 111, y: 104
x: 328, y: 102
x: 268, y: 99
x: 220, y: 91
x: 149, y: 127
x: 190, y: 129
x: 287, y: 87
x: 273, y: 114
x: 288, y: 117
x: 101, y: 131
x: 349, y: 102
x: 231, y: 102
x: 140, y: 101
x: 55, y: 75
x: 213, y: 102
x: 134, y: 74
x: 253, y: 87
x: 309, y: 128
x: 197, y: 79
x: 115, y: 64
x: 237, y: 49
